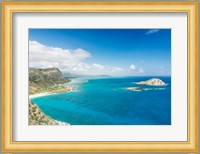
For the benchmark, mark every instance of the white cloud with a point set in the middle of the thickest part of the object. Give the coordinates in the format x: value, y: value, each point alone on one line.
x: 141, y: 70
x: 116, y: 69
x: 98, y: 66
x: 132, y: 67
x: 67, y: 60
x: 152, y: 31
x: 43, y: 56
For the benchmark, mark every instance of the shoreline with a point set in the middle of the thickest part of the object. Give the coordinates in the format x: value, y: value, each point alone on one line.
x: 65, y: 90
x: 39, y: 95
x: 68, y: 89
x: 61, y: 123
x: 38, y: 117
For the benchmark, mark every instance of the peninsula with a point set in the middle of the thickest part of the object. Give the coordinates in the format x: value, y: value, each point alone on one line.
x: 45, y: 82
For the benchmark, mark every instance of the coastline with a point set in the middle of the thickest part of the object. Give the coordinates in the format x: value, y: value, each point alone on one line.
x: 37, y: 117
x: 39, y: 95
x: 53, y: 92
x: 65, y: 118
x: 60, y: 123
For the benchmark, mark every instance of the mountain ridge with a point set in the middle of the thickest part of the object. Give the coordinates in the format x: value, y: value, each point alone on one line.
x: 41, y: 79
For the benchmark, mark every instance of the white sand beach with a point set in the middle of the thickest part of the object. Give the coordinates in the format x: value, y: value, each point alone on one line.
x: 39, y: 95
x: 67, y: 89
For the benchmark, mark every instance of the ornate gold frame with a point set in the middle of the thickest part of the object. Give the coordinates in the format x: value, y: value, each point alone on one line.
x: 191, y: 8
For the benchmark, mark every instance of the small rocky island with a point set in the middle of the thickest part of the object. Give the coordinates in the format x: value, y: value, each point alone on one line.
x: 153, y: 82
x: 135, y: 88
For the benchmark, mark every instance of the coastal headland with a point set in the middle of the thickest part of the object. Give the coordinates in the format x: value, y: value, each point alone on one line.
x: 44, y: 82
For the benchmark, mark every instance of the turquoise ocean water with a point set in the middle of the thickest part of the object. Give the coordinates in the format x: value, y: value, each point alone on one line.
x: 104, y: 101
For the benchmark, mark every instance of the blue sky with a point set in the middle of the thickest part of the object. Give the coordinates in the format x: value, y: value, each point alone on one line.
x: 116, y: 52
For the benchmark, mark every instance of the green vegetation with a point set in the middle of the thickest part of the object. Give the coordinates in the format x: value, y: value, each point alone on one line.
x: 37, y: 117
x: 53, y: 89
x: 46, y: 80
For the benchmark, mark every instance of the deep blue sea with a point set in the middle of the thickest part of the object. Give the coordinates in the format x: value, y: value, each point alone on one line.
x: 104, y: 101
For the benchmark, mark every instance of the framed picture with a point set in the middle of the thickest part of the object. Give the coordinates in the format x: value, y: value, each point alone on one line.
x: 100, y: 76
